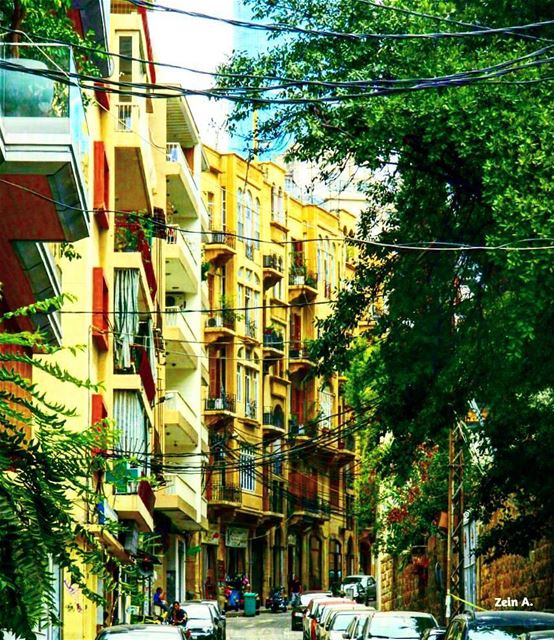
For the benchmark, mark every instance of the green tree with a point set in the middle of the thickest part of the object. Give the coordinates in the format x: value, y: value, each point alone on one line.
x: 468, y: 162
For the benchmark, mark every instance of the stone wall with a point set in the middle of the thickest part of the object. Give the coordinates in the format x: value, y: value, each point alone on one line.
x: 411, y: 584
x: 517, y: 577
x: 407, y: 586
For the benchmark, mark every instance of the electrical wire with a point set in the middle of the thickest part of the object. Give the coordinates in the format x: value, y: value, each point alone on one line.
x: 291, y: 82
x: 421, y: 246
x: 361, y: 37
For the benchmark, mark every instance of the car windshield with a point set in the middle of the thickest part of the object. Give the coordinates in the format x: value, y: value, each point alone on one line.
x: 352, y: 580
x: 198, y: 612
x: 341, y: 622
x: 400, y: 626
x: 502, y: 633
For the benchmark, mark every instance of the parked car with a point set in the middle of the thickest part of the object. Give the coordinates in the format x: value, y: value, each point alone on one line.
x: 299, y: 606
x: 497, y: 625
x: 355, y: 627
x: 312, y: 618
x: 219, y: 616
x: 360, y: 587
x: 537, y: 635
x: 398, y: 625
x: 330, y: 610
x: 144, y: 632
x: 307, y: 619
x: 338, y: 622
x: 201, y: 621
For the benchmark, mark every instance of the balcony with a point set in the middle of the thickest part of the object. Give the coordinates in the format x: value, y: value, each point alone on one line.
x: 134, y: 163
x: 136, y: 502
x: 182, y: 425
x: 308, y: 507
x: 299, y: 358
x: 273, y: 503
x: 250, y: 411
x: 302, y: 285
x: 178, y: 500
x: 182, y: 267
x: 278, y: 386
x: 133, y: 234
x: 44, y: 280
x: 273, y: 270
x: 345, y: 451
x: 220, y: 326
x: 219, y: 246
x: 144, y: 367
x: 224, y: 495
x: 273, y: 423
x: 279, y: 220
x: 182, y: 350
x: 43, y: 148
x: 274, y: 344
x: 250, y: 333
x: 223, y: 403
x: 182, y: 190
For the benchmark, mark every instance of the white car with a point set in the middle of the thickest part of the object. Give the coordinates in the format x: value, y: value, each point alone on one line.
x: 356, y: 587
x: 330, y: 611
x: 339, y: 622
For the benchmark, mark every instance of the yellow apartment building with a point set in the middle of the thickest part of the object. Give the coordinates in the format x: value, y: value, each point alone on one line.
x: 280, y: 481
x: 138, y: 291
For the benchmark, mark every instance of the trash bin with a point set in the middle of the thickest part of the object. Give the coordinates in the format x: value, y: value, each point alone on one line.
x: 250, y: 604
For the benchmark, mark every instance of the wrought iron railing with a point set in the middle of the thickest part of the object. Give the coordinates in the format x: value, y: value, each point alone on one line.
x: 222, y: 402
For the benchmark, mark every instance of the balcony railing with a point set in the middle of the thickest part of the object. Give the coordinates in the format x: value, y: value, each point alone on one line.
x: 274, y: 340
x: 174, y: 317
x: 250, y: 329
x: 251, y: 409
x: 175, y: 237
x: 274, y: 500
x: 224, y: 493
x: 249, y: 250
x: 220, y: 236
x: 174, y: 401
x: 127, y: 115
x: 308, y: 427
x: 313, y: 505
x: 298, y: 351
x: 222, y: 321
x: 273, y: 419
x: 302, y: 278
x: 273, y: 262
x: 222, y: 402
x: 133, y: 233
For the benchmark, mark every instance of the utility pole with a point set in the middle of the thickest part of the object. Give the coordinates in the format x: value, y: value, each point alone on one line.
x: 455, y: 539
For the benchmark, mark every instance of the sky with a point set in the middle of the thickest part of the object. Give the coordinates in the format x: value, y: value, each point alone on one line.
x: 199, y: 44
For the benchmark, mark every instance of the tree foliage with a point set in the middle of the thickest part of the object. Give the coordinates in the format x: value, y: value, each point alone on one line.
x: 469, y: 164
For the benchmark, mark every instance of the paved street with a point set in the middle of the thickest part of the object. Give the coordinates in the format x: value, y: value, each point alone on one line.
x: 269, y: 626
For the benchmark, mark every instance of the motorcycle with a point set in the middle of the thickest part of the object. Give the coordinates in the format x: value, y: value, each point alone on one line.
x: 277, y: 601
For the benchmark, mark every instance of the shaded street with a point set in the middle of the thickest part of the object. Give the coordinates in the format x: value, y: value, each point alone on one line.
x: 269, y: 626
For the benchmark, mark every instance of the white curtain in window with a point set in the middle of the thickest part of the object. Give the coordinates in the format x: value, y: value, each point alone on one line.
x: 126, y: 314
x: 130, y: 421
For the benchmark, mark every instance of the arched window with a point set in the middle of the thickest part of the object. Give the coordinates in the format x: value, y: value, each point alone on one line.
x: 240, y: 213
x: 257, y: 221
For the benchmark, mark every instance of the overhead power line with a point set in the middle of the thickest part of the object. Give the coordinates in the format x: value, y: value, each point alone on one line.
x: 362, y: 37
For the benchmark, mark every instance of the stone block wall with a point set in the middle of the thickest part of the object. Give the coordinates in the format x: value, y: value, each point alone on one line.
x: 518, y: 577
x: 410, y: 586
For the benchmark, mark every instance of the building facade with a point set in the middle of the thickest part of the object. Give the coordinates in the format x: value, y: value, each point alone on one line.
x: 280, y: 479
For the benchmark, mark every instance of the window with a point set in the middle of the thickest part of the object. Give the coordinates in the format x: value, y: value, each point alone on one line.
x: 210, y: 206
x: 223, y: 207
x: 247, y: 468
x: 125, y: 63
x: 256, y: 233
x: 240, y: 213
x: 239, y: 382
x: 326, y: 406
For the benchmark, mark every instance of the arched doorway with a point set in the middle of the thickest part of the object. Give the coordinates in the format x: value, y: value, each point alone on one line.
x: 315, y: 563
x: 350, y: 557
x: 335, y: 565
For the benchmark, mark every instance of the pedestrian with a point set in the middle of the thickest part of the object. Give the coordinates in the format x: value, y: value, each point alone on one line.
x: 159, y: 599
x: 296, y: 590
x: 177, y: 615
